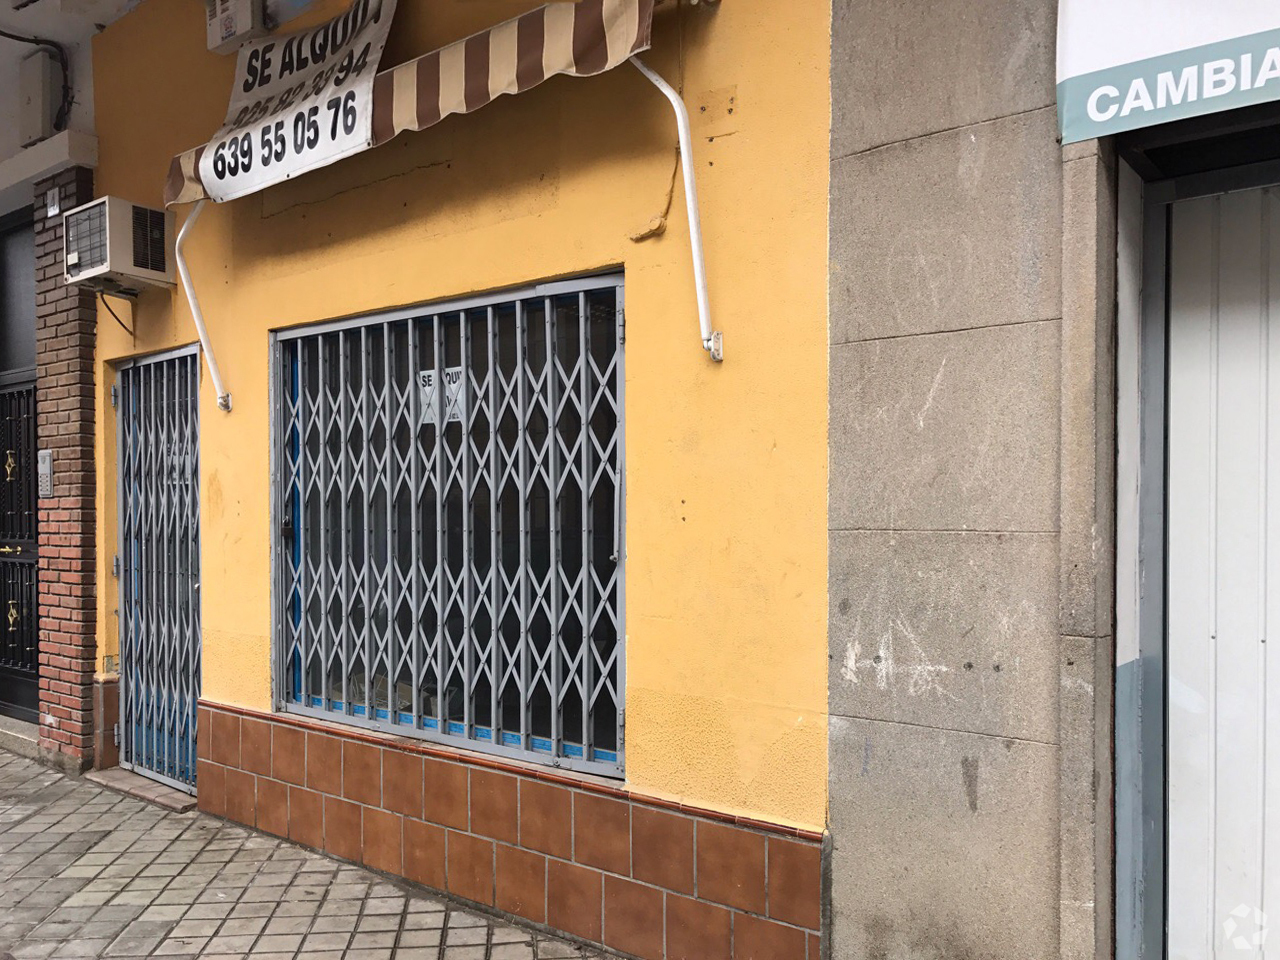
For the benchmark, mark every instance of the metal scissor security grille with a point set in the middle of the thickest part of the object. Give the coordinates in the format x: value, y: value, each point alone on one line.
x: 160, y: 568
x: 451, y: 523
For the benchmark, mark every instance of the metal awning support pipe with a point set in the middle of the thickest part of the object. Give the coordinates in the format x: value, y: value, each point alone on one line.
x: 224, y: 398
x: 712, y: 341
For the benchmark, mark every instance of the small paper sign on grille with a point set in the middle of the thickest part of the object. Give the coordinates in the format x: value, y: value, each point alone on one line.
x: 299, y: 102
x: 431, y: 397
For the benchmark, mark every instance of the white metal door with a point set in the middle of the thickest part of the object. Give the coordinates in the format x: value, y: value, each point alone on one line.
x: 1223, y: 575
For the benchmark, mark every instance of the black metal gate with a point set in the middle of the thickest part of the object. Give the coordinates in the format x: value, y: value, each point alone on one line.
x: 19, y: 612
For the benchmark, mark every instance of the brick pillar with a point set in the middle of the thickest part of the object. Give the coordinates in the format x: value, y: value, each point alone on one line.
x: 66, y: 320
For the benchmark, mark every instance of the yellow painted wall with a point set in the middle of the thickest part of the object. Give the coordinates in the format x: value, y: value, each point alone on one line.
x: 726, y: 464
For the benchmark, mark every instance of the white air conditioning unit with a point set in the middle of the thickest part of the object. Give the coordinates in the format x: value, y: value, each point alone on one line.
x: 116, y: 246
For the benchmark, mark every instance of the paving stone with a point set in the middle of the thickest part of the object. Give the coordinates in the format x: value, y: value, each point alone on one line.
x: 134, y: 897
x: 90, y: 899
x: 301, y: 908
x: 370, y: 924
x: 181, y: 946
x: 243, y: 926
x: 420, y: 938
x: 284, y: 924
x: 132, y: 946
x: 423, y: 921
x: 195, y: 928
x: 56, y: 930
x: 208, y: 911
x: 423, y: 905
x: 465, y: 936
x: 72, y: 913
x: 163, y: 913
x: 262, y: 910
x: 25, y: 914
x: 278, y: 943
x: 110, y: 929
x: 325, y: 924
x: 384, y: 906
x: 82, y: 947
x: 347, y: 892
x: 339, y: 908
x: 113, y: 912
x: 148, y: 883
x: 364, y: 941
x: 511, y: 935
x: 148, y: 928
x: 557, y: 950
x: 87, y: 873
x: 321, y: 942
x: 231, y: 944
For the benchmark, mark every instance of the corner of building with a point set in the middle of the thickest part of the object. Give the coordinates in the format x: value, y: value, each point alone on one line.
x: 970, y: 477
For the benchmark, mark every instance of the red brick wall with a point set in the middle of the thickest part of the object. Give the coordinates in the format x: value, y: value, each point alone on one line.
x: 65, y: 328
x: 576, y: 855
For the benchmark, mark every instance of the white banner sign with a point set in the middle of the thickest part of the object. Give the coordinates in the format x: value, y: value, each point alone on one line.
x: 1124, y: 64
x: 299, y: 102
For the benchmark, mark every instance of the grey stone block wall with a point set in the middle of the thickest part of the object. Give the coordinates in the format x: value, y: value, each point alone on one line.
x: 947, y: 431
x: 948, y: 630
x: 951, y: 232
x: 971, y: 544
x: 955, y: 857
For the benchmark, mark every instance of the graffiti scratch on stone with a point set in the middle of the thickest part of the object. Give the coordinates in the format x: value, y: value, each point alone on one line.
x: 917, y: 673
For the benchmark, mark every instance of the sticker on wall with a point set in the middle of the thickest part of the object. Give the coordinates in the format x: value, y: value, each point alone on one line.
x: 431, y: 396
x: 299, y: 102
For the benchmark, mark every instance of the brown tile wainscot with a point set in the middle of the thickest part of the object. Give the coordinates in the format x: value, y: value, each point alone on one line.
x: 577, y: 855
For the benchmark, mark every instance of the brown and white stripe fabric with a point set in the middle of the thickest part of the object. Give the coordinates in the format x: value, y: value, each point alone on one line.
x: 183, y: 185
x: 577, y: 38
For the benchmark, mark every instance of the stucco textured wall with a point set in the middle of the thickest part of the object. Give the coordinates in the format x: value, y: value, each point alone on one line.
x: 726, y: 465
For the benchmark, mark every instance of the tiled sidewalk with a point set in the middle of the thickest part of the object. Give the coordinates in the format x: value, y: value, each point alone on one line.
x: 85, y: 872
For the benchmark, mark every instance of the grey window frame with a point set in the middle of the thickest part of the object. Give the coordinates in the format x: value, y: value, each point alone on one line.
x: 560, y: 754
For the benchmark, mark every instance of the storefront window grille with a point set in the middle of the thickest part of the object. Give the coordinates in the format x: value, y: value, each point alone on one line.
x: 451, y: 523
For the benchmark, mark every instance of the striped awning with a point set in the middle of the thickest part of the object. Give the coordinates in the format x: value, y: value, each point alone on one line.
x: 577, y: 39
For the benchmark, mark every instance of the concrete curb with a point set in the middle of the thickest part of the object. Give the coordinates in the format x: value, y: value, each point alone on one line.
x: 140, y: 788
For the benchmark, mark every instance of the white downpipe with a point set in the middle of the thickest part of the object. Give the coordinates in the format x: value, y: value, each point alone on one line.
x: 224, y: 398
x: 712, y: 341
